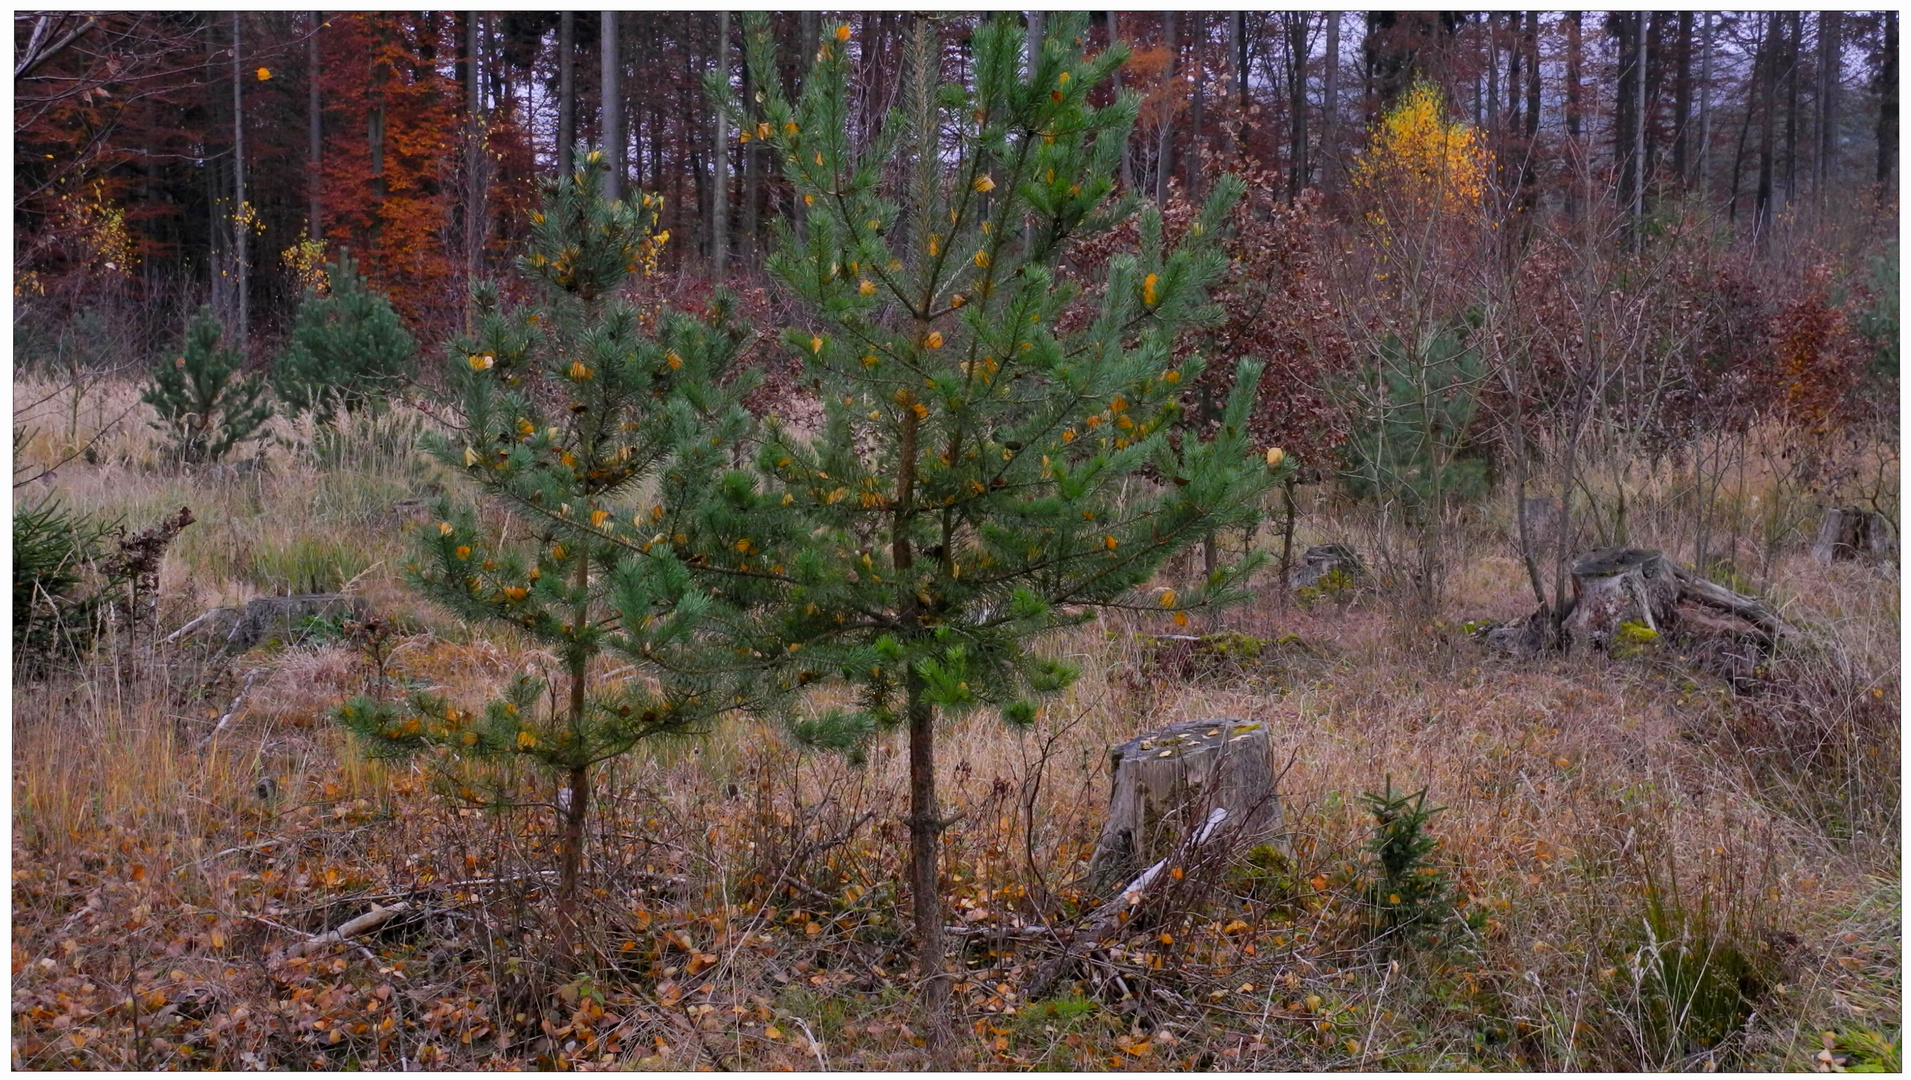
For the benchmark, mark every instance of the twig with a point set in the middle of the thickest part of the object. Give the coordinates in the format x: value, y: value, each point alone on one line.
x: 232, y: 710
x: 371, y: 920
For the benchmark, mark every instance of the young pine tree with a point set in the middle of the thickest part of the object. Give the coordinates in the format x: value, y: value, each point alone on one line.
x: 983, y: 478
x: 204, y: 403
x: 563, y: 415
x: 348, y: 350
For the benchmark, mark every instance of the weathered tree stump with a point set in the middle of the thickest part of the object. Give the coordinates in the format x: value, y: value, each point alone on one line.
x: 1323, y: 559
x: 1614, y: 586
x: 1166, y: 783
x: 1847, y: 532
x: 233, y: 630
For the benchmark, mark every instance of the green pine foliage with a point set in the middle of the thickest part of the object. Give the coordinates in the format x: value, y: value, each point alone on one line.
x: 348, y: 349
x: 983, y: 477
x: 56, y: 604
x: 1414, y: 449
x: 1407, y: 894
x: 565, y: 416
x: 205, y: 405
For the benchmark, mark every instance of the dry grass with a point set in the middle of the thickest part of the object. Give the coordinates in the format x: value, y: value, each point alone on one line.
x: 748, y: 912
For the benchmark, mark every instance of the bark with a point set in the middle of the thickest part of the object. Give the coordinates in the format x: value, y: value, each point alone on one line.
x: 1791, y: 106
x: 1770, y: 51
x: 1127, y: 156
x: 1574, y: 48
x: 1705, y: 102
x: 1830, y: 61
x: 1297, y: 172
x: 925, y: 842
x: 1037, y: 30
x: 566, y: 91
x: 808, y: 33
x: 611, y: 102
x: 474, y: 216
x: 720, y: 161
x: 1682, y: 102
x: 1887, y: 83
x: 241, y: 228
x: 1164, y: 146
x: 314, y: 130
x: 1198, y: 113
x: 1329, y: 104
x: 1641, y: 104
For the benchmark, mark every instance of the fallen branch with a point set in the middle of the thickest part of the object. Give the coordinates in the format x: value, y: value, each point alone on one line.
x: 232, y: 710
x: 364, y: 924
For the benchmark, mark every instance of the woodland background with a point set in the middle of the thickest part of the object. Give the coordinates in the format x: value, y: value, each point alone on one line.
x: 1667, y: 301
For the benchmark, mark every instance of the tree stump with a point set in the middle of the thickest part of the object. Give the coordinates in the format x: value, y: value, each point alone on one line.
x: 1847, y: 532
x: 1541, y: 514
x: 1323, y: 559
x: 234, y: 630
x: 1614, y: 586
x: 1166, y: 784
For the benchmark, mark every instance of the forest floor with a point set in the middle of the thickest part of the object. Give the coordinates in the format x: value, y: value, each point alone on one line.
x: 1650, y: 869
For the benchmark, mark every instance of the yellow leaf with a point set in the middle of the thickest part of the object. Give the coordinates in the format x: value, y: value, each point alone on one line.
x: 816, y: 345
x: 598, y: 517
x: 264, y: 74
x: 982, y: 258
x: 1275, y: 455
x: 933, y: 341
x: 867, y: 288
x: 985, y: 183
x: 578, y: 371
x: 842, y: 32
x: 1181, y: 618
x: 1167, y: 598
x: 526, y: 740
x: 1148, y: 289
x: 444, y: 528
x: 1110, y: 542
x: 675, y: 361
x: 480, y: 363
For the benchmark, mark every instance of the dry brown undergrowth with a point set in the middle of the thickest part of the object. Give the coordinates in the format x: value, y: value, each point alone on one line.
x: 748, y: 908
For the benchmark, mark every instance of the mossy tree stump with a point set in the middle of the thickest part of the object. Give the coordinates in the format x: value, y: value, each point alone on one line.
x: 1167, y: 783
x: 1615, y: 586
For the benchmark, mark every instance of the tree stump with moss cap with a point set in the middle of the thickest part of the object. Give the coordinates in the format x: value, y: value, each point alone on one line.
x: 1168, y: 783
x: 1616, y: 586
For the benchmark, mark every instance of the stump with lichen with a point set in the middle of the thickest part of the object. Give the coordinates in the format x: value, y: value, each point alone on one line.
x: 1167, y: 783
x: 1616, y: 586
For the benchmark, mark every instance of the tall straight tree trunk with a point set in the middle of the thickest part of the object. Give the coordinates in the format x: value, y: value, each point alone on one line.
x: 241, y: 213
x: 1164, y: 145
x: 1529, y: 44
x: 1198, y: 115
x: 1791, y: 105
x: 1641, y: 105
x: 809, y: 33
x: 1297, y: 171
x: 566, y: 91
x: 1515, y: 57
x: 611, y: 102
x: 1888, y: 104
x: 1682, y: 104
x: 1329, y: 106
x: 1037, y: 31
x: 1575, y: 160
x: 474, y: 204
x: 314, y: 133
x: 1830, y: 61
x: 1770, y: 50
x: 720, y: 161
x: 1704, y: 154
x: 748, y: 244
x: 1493, y: 76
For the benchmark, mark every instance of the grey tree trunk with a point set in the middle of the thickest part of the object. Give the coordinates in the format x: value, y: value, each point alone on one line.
x: 566, y: 91
x: 1127, y: 167
x: 475, y: 179
x: 241, y: 213
x: 720, y: 161
x: 1705, y: 101
x: 314, y: 130
x: 1164, y: 146
x: 1298, y: 171
x: 1682, y: 104
x: 1768, y: 117
x: 1888, y: 103
x: 1329, y: 105
x: 612, y: 105
x: 1615, y: 586
x: 1830, y: 60
x: 1574, y: 163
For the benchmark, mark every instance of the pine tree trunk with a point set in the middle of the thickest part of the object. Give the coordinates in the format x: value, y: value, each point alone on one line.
x: 1297, y: 174
x: 1830, y: 57
x: 720, y: 161
x: 1197, y: 114
x: 1164, y: 145
x: 1575, y: 163
x: 241, y: 219
x: 1127, y: 157
x: 750, y: 227
x: 314, y: 227
x: 1888, y: 104
x: 474, y: 187
x: 611, y: 102
x: 1682, y: 103
x: 566, y: 91
x: 1791, y: 107
x: 1329, y: 105
x: 577, y: 806
x: 1767, y: 121
x: 1704, y: 154
x: 925, y: 843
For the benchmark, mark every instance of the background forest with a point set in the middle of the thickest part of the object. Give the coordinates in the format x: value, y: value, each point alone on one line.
x: 396, y: 391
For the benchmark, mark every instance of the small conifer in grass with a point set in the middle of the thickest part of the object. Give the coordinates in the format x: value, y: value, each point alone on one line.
x: 204, y: 403
x: 562, y: 416
x: 983, y: 478
x: 348, y: 350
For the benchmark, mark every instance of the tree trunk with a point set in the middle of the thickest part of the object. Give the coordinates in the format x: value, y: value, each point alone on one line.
x: 1037, y: 30
x: 720, y: 161
x: 1127, y: 155
x: 1641, y: 103
x: 1768, y: 55
x: 1888, y: 104
x: 1197, y: 117
x: 474, y: 206
x: 1575, y: 163
x: 611, y: 102
x: 566, y: 91
x: 241, y: 213
x: 750, y: 227
x: 1297, y: 165
x: 925, y: 843
x: 1705, y: 103
x: 1164, y: 145
x: 1166, y: 783
x: 1329, y: 105
x: 1830, y: 60
x: 1847, y: 532
x: 314, y: 129
x: 1682, y: 103
x: 1791, y: 106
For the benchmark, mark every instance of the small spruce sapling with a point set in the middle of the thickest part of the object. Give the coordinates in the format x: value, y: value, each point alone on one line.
x: 561, y: 417
x: 983, y: 477
x: 348, y: 351
x: 204, y: 403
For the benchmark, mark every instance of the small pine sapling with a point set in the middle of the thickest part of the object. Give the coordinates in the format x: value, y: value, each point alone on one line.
x: 203, y: 402
x: 983, y: 477
x: 348, y: 351
x: 1407, y: 894
x: 562, y: 416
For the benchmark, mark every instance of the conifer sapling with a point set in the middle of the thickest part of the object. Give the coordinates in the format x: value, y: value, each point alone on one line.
x: 349, y: 350
x: 203, y: 401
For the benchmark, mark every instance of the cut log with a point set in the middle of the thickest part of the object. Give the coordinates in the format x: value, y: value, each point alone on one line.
x: 234, y: 630
x: 1167, y: 782
x: 1614, y: 586
x: 1847, y: 532
x: 378, y: 916
x: 1323, y: 559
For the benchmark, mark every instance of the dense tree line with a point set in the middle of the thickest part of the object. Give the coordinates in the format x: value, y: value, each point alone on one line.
x: 186, y: 155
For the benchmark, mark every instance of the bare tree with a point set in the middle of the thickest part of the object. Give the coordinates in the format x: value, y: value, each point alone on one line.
x: 611, y: 100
